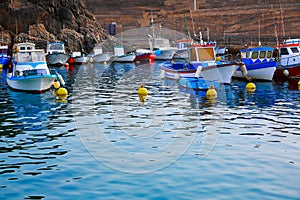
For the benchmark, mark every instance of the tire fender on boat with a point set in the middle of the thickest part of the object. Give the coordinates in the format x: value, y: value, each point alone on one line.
x: 286, y: 72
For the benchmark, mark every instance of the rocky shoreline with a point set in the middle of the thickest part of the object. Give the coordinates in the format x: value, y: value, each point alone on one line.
x: 42, y: 21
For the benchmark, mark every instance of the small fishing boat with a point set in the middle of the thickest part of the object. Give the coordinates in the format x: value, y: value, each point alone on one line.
x: 160, y: 46
x: 142, y: 54
x: 289, y: 59
x: 98, y: 56
x: 213, y: 67
x: 79, y: 58
x: 29, y: 70
x: 4, y: 57
x: 162, y: 49
x: 56, y: 54
x: 202, y: 58
x: 259, y: 62
x: 120, y: 56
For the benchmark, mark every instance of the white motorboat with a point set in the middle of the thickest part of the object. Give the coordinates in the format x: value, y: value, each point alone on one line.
x: 29, y: 70
x: 56, y: 54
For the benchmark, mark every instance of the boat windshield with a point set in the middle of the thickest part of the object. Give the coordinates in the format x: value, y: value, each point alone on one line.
x: 56, y: 46
x: 295, y: 50
x: 34, y: 56
x: 269, y: 54
x: 262, y: 54
x: 254, y: 55
x: 202, y: 54
x: 3, y: 51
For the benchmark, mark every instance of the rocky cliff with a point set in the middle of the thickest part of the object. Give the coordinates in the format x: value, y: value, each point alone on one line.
x: 228, y: 22
x: 42, y: 21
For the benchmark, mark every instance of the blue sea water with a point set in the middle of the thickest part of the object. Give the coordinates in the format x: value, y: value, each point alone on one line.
x: 103, y: 143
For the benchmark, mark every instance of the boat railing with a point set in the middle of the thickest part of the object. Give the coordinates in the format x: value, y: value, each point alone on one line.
x: 31, y: 72
x: 53, y: 72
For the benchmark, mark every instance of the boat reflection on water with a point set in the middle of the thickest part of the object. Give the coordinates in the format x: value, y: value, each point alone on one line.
x: 265, y: 94
x: 114, y: 71
x: 235, y: 95
x: 33, y: 110
x: 291, y: 84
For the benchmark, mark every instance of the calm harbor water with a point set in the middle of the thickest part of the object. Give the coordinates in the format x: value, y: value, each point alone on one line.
x: 103, y: 143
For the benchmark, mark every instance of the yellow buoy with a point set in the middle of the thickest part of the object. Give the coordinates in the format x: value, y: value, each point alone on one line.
x: 143, y: 93
x: 62, y: 93
x: 104, y: 63
x: 211, y: 93
x: 250, y: 87
x: 142, y: 98
x: 56, y: 84
x: 142, y: 90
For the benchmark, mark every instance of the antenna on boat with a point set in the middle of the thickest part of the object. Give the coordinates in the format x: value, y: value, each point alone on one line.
x: 200, y: 38
x: 281, y: 19
x: 259, y: 43
x: 193, y: 23
x: 207, y: 34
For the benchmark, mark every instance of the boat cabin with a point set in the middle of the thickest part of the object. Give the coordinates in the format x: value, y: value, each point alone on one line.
x: 203, y: 54
x: 158, y: 43
x: 119, y: 50
x: 289, y: 52
x: 184, y: 43
x: 31, y: 62
x: 55, y: 47
x: 3, y: 50
x: 256, y: 55
x: 28, y: 46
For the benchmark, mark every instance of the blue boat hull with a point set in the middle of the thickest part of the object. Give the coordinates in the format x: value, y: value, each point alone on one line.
x: 197, y: 83
x: 4, y: 60
x: 259, y: 71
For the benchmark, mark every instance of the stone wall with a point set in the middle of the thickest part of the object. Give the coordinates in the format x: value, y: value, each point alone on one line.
x: 230, y: 21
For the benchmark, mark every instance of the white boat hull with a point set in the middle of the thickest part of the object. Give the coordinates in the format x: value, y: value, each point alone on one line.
x: 258, y: 74
x: 37, y: 83
x: 57, y: 59
x: 124, y: 58
x: 181, y: 54
x: 219, y: 73
x: 165, y: 54
x: 81, y: 60
x: 99, y: 58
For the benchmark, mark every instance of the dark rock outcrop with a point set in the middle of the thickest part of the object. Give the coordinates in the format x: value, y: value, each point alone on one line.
x: 42, y: 21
